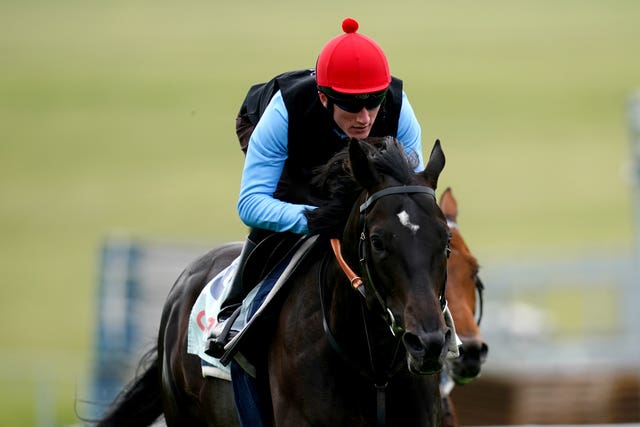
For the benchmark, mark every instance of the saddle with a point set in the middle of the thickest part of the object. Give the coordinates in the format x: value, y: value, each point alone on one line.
x: 278, y: 257
x: 267, y: 255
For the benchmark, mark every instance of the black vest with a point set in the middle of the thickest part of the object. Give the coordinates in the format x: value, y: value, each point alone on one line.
x: 313, y: 135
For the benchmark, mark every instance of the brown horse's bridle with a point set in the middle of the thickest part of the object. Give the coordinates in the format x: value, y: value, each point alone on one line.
x: 363, y: 254
x: 479, y: 285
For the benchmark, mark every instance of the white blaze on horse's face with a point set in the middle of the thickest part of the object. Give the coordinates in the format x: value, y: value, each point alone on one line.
x: 406, y: 221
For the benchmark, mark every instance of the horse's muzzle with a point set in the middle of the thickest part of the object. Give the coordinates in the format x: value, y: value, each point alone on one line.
x: 426, y: 352
x: 473, y: 353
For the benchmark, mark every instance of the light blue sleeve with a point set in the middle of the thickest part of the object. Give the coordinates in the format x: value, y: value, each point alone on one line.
x: 263, y: 167
x: 409, y: 131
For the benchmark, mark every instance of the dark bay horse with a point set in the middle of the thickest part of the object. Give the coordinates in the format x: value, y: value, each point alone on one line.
x: 338, y: 355
x: 465, y: 300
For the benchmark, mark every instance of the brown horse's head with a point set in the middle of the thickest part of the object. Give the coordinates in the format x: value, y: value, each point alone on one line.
x: 463, y: 289
x: 402, y: 239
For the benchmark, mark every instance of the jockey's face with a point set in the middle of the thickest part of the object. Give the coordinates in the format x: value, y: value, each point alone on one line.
x: 355, y: 125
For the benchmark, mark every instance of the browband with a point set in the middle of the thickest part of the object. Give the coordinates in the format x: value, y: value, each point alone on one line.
x: 395, y: 190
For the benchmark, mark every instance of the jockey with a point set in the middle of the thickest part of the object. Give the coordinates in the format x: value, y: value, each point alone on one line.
x: 308, y: 117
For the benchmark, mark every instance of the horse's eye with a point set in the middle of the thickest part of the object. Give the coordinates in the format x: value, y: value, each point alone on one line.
x: 377, y: 243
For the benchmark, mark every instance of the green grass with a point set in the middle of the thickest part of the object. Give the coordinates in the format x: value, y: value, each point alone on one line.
x: 117, y: 117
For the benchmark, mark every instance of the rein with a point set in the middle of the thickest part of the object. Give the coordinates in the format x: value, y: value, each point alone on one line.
x: 380, y: 382
x: 354, y: 279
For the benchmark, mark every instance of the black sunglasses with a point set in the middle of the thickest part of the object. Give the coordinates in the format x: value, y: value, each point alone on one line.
x: 354, y: 103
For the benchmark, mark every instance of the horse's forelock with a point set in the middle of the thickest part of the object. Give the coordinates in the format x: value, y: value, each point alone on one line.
x: 335, y: 180
x: 390, y: 159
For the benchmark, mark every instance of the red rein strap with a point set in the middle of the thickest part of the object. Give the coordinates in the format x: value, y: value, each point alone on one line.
x: 355, y: 280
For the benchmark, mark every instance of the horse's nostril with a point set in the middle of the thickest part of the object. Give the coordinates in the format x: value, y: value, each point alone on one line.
x: 462, y: 350
x: 474, y: 351
x: 484, y: 350
x: 413, y: 343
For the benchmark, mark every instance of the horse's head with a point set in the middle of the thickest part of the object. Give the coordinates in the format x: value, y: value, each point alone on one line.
x: 464, y: 294
x: 402, y: 238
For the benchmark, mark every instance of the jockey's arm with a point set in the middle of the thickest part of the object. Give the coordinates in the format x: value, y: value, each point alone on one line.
x: 409, y: 131
x: 263, y: 167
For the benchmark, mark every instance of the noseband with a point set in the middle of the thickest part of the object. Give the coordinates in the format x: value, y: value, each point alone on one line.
x: 363, y: 254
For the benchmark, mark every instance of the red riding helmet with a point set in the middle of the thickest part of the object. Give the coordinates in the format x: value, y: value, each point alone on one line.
x: 352, y: 63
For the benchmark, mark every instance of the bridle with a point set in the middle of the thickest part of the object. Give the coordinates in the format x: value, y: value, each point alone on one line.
x: 357, y: 283
x: 363, y: 255
x: 479, y: 285
x: 479, y: 290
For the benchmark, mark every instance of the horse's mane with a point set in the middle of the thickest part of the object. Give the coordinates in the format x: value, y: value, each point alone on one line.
x: 335, y: 179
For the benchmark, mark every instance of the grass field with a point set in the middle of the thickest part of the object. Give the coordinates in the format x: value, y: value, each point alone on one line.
x: 118, y: 118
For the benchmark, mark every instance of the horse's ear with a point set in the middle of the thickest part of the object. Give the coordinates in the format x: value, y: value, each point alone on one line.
x: 435, y: 165
x: 361, y: 166
x: 449, y: 205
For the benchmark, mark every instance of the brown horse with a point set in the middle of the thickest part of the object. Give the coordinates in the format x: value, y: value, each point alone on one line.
x: 464, y: 294
x: 337, y: 355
